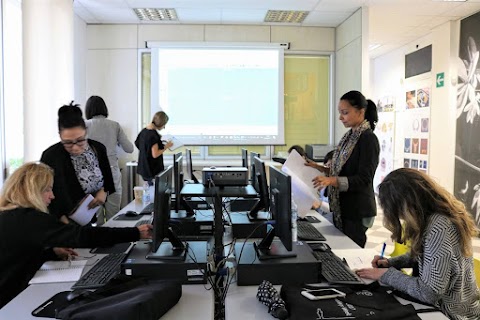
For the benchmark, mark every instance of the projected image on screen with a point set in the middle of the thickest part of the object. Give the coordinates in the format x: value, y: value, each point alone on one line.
x: 220, y: 96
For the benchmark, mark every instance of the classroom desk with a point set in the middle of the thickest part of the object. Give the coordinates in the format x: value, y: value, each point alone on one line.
x: 242, y: 304
x: 196, y: 302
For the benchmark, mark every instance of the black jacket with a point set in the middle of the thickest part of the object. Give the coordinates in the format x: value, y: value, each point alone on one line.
x: 24, y: 235
x: 359, y: 201
x: 66, y: 188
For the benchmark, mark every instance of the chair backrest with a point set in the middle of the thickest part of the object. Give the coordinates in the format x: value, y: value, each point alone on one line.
x: 399, y: 249
x: 476, y: 268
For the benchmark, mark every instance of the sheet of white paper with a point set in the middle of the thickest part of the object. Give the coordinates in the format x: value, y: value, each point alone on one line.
x: 83, y: 215
x: 176, y: 143
x: 357, y: 258
x: 304, y: 194
x: 59, y: 271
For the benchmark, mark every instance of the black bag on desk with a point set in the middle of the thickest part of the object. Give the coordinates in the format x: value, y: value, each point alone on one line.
x: 124, y: 298
x: 371, y: 302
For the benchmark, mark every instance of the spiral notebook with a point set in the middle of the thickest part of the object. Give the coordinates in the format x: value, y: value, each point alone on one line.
x: 59, y: 271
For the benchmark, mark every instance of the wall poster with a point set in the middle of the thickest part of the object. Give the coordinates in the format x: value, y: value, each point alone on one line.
x: 385, y: 132
x: 416, y: 128
x: 467, y: 148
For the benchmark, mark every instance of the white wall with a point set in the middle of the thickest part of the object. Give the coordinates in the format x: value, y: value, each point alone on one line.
x: 79, y: 57
x: 388, y: 79
x: 351, y: 63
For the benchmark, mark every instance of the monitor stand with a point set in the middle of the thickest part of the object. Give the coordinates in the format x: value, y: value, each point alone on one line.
x: 256, y: 215
x: 269, y: 249
x: 174, y: 249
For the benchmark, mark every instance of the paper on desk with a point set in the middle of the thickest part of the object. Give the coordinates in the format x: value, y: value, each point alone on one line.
x: 304, y: 194
x: 82, y: 215
x: 59, y: 271
x: 176, y: 143
x: 357, y: 259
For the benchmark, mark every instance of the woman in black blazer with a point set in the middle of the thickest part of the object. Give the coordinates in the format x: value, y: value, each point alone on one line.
x: 81, y: 165
x: 350, y: 176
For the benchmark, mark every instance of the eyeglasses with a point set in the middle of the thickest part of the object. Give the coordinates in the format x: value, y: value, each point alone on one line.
x: 79, y: 142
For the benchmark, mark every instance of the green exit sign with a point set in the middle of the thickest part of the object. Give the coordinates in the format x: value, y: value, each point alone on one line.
x: 440, y: 80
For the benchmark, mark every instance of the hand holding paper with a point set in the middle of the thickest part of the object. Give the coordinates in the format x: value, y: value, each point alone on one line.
x: 82, y: 214
x: 172, y: 142
x: 304, y: 194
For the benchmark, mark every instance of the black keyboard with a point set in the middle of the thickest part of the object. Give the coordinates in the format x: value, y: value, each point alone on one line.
x: 101, y: 272
x: 306, y: 231
x: 148, y: 209
x: 144, y: 221
x: 334, y: 270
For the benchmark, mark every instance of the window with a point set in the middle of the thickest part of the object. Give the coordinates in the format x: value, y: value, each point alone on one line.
x: 307, y: 99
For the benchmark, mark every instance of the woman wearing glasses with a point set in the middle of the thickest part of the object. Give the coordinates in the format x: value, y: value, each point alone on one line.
x: 81, y: 165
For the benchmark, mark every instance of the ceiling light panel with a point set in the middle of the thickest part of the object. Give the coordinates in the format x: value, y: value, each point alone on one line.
x: 156, y: 14
x: 285, y: 16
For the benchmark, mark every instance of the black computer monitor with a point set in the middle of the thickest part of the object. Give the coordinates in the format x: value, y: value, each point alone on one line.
x: 180, y: 203
x: 261, y: 187
x: 244, y: 158
x: 281, y: 209
x: 174, y: 249
x: 189, y: 166
x: 252, y: 167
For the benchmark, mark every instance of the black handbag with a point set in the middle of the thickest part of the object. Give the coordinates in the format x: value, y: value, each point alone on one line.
x: 122, y: 298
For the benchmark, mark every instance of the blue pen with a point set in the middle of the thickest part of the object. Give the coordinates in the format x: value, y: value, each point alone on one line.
x: 383, y: 250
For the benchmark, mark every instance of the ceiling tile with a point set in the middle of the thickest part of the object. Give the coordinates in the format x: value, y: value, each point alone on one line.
x: 243, y: 16
x: 325, y: 19
x: 199, y: 15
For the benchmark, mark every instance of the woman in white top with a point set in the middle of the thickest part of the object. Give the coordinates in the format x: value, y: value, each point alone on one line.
x: 111, y: 134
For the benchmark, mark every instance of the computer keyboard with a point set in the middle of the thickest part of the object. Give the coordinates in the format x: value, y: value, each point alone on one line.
x: 148, y: 209
x: 144, y: 221
x: 101, y: 272
x: 306, y: 231
x: 334, y: 270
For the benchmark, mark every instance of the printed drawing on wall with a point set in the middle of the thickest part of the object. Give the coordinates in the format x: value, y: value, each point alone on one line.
x: 467, y: 149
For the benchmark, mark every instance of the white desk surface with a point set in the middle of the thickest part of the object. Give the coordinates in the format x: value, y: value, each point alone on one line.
x: 242, y: 304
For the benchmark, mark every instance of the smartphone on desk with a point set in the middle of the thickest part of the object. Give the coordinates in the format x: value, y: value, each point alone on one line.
x: 319, y: 294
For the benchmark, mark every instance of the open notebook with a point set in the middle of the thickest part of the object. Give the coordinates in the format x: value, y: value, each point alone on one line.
x: 59, y: 271
x: 357, y: 259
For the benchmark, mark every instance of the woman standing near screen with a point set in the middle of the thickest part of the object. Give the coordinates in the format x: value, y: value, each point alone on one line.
x: 350, y: 176
x: 151, y: 148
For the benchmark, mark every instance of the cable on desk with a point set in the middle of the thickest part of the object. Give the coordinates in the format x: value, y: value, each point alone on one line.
x: 227, y: 286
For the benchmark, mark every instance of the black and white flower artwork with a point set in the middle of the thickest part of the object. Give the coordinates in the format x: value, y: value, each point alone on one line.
x: 467, y: 151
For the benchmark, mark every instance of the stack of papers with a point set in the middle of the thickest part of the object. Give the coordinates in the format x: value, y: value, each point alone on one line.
x: 304, y: 194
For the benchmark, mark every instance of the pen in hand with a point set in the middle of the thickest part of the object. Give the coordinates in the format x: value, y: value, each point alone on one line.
x: 382, y: 254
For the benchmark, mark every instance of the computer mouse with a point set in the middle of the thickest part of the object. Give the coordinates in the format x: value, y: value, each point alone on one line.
x: 319, y: 246
x: 131, y: 214
x: 76, y: 293
x: 213, y: 167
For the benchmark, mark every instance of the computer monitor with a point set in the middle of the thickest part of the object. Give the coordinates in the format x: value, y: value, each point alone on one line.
x: 189, y: 166
x: 244, y: 158
x: 281, y: 209
x: 180, y: 203
x: 174, y: 249
x: 252, y: 167
x: 261, y: 187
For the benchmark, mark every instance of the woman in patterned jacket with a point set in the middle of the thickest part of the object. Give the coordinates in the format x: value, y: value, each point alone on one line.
x: 440, y: 231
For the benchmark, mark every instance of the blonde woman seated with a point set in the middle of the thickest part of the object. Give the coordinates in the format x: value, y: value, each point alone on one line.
x: 440, y: 232
x: 29, y: 235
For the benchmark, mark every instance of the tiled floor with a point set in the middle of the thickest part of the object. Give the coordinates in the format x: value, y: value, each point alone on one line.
x: 378, y: 234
